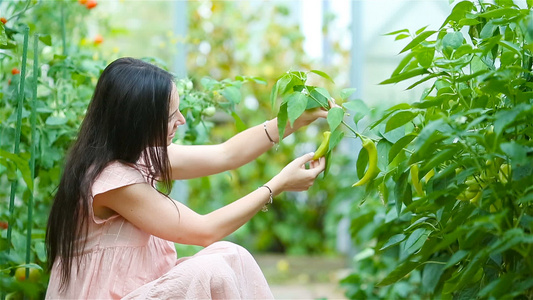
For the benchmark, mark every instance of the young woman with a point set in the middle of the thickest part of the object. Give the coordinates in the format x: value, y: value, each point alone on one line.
x: 110, y: 232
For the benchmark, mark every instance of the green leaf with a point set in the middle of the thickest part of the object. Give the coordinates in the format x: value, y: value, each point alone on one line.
x: 56, y: 120
x: 416, y: 240
x: 401, y: 36
x: 464, y: 50
x: 516, y: 152
x: 474, y: 75
x: 296, y: 105
x: 459, y: 11
x: 402, y: 192
x: 397, y: 31
x: 383, y: 148
x: 399, y: 119
x: 335, y: 138
x: 359, y: 107
x: 505, y: 117
x: 284, y: 83
x: 46, y: 39
x: 207, y: 82
x: 419, y: 31
x: 511, y: 46
x: 389, y: 112
x: 9, y: 45
x: 418, y: 39
x: 403, y: 63
x: 322, y: 74
x: 468, y: 22
x: 318, y: 98
x: 424, y: 56
x: 453, y: 39
x: 21, y: 164
x: 400, y: 145
x: 394, y: 240
x: 456, y: 257
x: 399, y: 273
x: 362, y: 162
x: 40, y: 250
x: 428, y: 138
x: 3, y: 36
x: 392, y: 136
x: 488, y: 30
x: 510, y: 239
x: 239, y: 124
x: 500, y: 287
x: 441, y: 157
x: 473, y: 266
x: 498, y: 13
x: 335, y: 116
x: 324, y: 93
x: 430, y: 76
x: 431, y: 275
x: 255, y: 79
x: 282, y: 120
x: 405, y: 75
x: 274, y: 94
x: 346, y: 93
x: 418, y: 223
x: 232, y: 94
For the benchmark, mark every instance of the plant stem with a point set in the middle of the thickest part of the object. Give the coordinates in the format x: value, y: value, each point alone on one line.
x: 32, y: 148
x: 18, y: 130
x: 351, y: 129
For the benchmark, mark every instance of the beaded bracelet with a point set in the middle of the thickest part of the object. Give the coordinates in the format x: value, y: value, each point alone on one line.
x: 265, y: 207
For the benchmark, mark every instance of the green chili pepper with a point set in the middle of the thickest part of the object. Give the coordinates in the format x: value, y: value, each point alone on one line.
x: 324, y: 146
x: 372, y: 170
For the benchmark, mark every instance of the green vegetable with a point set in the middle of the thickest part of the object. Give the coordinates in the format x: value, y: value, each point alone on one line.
x: 324, y: 146
x: 372, y: 170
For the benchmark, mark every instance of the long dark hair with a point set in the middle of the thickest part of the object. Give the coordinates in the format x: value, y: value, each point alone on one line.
x: 126, y: 120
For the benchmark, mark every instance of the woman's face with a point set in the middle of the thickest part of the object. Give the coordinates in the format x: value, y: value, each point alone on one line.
x: 175, y: 118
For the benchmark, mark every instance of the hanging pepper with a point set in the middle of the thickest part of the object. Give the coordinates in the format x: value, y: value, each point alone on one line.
x: 372, y: 170
x: 324, y: 146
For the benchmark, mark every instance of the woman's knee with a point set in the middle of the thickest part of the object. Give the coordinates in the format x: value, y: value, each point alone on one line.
x: 229, y: 247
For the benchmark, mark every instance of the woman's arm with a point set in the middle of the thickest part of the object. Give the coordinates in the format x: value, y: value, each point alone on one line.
x: 143, y: 206
x: 203, y: 160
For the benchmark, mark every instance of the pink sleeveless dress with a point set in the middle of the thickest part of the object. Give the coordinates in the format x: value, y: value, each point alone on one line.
x: 120, y: 261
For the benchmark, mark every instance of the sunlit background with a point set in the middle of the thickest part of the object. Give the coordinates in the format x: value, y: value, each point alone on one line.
x: 344, y: 37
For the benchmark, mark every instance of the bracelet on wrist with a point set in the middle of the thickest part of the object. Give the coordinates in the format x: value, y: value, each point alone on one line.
x: 270, y: 199
x: 268, y: 135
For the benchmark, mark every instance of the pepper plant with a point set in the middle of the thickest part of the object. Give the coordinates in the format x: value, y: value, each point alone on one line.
x: 454, y: 169
x: 456, y: 166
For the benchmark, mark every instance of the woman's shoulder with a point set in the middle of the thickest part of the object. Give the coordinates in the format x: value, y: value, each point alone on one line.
x: 117, y: 174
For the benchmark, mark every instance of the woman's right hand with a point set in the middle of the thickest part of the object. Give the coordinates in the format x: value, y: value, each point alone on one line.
x: 295, y: 176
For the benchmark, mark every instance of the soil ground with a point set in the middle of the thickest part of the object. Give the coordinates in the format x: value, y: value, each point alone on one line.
x: 303, y: 277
